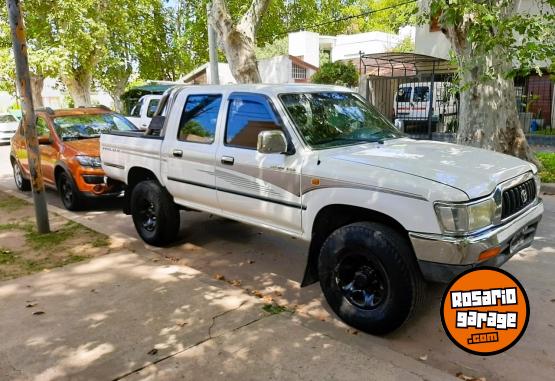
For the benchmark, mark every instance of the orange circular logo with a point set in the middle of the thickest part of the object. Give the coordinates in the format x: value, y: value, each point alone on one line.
x: 485, y: 311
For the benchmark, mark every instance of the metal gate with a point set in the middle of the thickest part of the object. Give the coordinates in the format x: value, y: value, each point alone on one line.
x: 414, y: 91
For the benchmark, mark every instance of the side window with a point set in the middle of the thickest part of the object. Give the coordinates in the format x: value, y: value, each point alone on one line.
x: 246, y: 118
x: 152, y: 107
x: 199, y: 119
x: 136, y: 112
x: 421, y: 94
x: 42, y: 128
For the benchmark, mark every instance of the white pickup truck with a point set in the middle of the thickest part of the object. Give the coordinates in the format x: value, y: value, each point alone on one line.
x: 382, y: 212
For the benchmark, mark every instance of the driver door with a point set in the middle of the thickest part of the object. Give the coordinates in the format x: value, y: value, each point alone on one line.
x: 261, y: 188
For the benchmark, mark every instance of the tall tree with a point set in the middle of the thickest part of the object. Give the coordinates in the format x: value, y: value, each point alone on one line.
x: 238, y: 38
x: 492, y: 41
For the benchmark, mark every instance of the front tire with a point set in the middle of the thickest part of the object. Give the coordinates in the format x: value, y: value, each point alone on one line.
x: 69, y: 194
x: 154, y: 213
x: 21, y: 182
x: 370, y: 277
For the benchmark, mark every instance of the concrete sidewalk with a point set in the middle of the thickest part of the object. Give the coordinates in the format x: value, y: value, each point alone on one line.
x: 135, y: 316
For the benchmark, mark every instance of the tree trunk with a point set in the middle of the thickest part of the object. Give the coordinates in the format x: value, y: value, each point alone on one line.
x: 37, y: 84
x: 79, y: 87
x: 488, y: 116
x: 238, y: 40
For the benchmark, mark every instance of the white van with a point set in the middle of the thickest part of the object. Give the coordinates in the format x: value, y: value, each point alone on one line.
x: 142, y: 112
x: 412, y: 102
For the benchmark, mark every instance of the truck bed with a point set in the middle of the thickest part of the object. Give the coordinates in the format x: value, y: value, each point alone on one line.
x: 117, y: 148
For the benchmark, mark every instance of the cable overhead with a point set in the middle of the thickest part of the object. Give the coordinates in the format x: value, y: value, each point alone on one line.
x: 345, y: 18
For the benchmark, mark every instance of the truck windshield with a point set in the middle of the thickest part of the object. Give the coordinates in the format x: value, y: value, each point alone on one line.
x: 332, y: 119
x: 90, y: 126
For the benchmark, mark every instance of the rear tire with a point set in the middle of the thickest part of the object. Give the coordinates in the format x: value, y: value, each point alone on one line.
x: 21, y: 183
x: 69, y: 194
x: 155, y: 215
x: 370, y: 277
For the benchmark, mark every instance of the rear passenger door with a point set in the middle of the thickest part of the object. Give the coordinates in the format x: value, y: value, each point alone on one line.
x: 262, y: 188
x: 190, y: 150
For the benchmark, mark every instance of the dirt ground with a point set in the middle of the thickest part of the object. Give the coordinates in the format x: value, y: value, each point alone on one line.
x: 24, y: 252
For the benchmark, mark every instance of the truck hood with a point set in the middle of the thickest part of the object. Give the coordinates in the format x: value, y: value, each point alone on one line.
x: 474, y: 171
x: 85, y: 147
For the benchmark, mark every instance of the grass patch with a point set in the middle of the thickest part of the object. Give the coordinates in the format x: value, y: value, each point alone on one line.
x: 274, y: 309
x: 48, y: 241
x: 101, y: 241
x: 7, y: 227
x: 7, y: 257
x: 547, y: 160
x: 10, y: 204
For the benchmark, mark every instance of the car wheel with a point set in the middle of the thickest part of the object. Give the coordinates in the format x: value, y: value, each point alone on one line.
x: 155, y: 215
x: 20, y: 182
x: 370, y: 277
x: 70, y: 195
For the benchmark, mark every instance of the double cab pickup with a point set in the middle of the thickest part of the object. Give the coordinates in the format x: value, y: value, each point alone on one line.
x: 383, y: 213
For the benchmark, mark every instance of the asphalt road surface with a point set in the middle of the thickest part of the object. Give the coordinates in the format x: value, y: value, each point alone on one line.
x: 262, y: 261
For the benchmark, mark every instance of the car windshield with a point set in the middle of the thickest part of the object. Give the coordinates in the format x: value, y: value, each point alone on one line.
x: 7, y: 119
x: 331, y: 119
x: 90, y: 126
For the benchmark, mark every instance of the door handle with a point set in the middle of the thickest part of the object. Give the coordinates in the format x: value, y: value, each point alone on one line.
x: 177, y: 153
x: 228, y: 160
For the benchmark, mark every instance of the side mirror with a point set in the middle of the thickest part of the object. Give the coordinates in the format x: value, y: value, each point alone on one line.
x: 44, y: 140
x: 272, y: 142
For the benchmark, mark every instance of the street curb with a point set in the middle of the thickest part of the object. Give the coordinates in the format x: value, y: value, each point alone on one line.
x: 548, y: 188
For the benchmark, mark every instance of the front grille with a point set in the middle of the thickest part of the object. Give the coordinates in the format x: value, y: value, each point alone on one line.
x: 92, y: 179
x: 517, y: 198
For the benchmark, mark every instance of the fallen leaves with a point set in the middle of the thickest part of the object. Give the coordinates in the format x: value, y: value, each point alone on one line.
x: 31, y: 305
x: 39, y: 313
x: 423, y: 358
x: 464, y: 377
x: 152, y: 352
x: 219, y: 277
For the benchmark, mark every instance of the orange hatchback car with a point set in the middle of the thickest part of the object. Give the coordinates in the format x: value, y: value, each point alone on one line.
x: 70, y: 153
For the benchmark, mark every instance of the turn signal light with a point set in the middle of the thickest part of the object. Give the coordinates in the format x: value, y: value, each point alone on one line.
x: 489, y: 253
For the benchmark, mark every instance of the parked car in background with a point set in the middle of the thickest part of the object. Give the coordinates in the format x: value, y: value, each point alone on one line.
x: 70, y: 153
x: 8, y: 126
x: 412, y: 103
x: 142, y: 112
x: 381, y: 212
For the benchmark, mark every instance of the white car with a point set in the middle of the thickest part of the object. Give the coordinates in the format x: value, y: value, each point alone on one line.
x: 381, y: 212
x: 412, y: 102
x: 142, y: 112
x: 8, y: 126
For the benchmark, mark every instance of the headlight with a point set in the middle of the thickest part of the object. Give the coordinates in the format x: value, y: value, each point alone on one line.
x: 89, y: 161
x: 465, y: 218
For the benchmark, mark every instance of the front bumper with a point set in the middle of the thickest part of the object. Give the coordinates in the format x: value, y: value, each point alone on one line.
x: 441, y: 258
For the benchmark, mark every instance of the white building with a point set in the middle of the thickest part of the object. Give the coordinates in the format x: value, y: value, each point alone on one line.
x: 280, y: 69
x: 308, y: 45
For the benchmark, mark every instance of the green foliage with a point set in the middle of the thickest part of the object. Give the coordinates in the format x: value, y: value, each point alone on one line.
x: 279, y: 47
x: 274, y: 309
x: 405, y: 46
x: 547, y: 160
x: 337, y: 73
x: 494, y: 28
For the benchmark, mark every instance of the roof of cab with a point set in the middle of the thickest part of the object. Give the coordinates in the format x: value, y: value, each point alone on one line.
x: 269, y: 88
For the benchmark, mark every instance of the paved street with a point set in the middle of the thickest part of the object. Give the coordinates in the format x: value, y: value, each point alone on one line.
x: 272, y: 264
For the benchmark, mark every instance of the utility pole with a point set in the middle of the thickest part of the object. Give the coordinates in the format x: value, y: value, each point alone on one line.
x: 213, y: 54
x: 29, y: 119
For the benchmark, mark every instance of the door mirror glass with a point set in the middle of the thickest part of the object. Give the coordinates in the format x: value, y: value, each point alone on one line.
x: 272, y: 142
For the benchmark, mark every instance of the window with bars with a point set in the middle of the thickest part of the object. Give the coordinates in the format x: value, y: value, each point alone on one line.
x: 299, y: 72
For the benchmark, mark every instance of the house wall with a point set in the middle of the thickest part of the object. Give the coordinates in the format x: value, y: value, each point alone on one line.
x: 350, y: 46
x: 275, y: 70
x: 224, y: 73
x: 306, y: 46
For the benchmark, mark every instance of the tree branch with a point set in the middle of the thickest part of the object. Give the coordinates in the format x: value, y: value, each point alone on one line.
x: 250, y: 20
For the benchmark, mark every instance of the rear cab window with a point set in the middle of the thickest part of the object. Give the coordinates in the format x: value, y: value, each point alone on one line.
x: 199, y: 118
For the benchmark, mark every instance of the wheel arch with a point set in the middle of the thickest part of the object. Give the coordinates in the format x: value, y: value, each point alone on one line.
x: 332, y: 217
